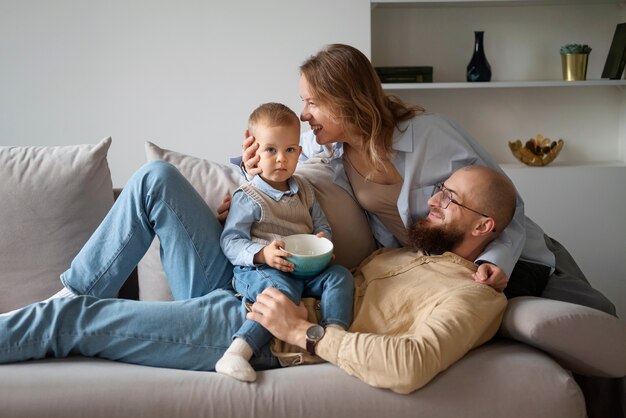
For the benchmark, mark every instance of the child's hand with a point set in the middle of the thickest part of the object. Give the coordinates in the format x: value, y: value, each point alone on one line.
x: 273, y: 255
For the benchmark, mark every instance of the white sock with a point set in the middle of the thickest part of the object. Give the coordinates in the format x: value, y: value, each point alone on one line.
x: 63, y: 293
x: 236, y: 362
x: 337, y: 326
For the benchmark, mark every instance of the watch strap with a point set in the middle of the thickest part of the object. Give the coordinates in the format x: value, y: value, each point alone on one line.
x: 310, y: 346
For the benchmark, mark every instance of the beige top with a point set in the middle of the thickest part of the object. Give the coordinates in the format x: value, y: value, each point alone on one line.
x: 379, y: 199
x: 414, y: 316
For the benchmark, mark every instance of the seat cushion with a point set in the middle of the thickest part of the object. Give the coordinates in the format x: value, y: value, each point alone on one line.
x: 501, y: 379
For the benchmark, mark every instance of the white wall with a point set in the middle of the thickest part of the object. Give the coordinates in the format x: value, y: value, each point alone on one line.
x: 183, y: 74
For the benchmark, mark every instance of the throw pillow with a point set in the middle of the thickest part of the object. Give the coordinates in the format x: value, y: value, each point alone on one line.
x: 53, y: 198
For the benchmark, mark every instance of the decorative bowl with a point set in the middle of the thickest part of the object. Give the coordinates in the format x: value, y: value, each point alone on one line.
x: 536, y: 151
x: 311, y: 254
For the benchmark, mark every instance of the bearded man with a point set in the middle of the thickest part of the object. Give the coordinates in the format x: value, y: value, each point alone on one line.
x: 416, y: 311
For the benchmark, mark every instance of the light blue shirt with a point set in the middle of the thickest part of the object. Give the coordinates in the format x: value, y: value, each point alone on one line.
x: 428, y: 149
x: 236, y: 241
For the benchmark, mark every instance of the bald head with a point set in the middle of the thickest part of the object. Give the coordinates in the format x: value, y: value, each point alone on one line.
x: 488, y: 191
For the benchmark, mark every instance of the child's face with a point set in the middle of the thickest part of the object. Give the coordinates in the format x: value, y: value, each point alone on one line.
x: 279, y: 148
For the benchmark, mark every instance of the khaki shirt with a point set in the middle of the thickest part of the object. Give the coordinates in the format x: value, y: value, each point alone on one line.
x: 414, y: 316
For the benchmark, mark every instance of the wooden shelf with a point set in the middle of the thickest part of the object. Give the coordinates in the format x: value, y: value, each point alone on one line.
x: 559, y: 165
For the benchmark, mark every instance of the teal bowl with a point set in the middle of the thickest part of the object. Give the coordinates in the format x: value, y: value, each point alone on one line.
x: 310, y: 254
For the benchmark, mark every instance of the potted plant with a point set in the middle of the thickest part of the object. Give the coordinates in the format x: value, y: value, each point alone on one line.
x: 574, y: 59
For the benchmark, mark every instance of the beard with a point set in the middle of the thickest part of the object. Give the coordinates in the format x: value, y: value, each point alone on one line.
x: 434, y: 239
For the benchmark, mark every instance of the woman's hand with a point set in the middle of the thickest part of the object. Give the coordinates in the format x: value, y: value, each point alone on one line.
x: 249, y: 156
x: 280, y: 316
x: 223, y: 208
x: 491, y: 275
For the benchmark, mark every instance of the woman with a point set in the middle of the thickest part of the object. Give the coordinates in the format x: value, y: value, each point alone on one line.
x: 391, y: 155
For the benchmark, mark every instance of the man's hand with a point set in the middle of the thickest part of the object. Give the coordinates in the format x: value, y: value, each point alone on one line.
x: 273, y: 255
x: 280, y: 316
x: 491, y: 275
x: 249, y: 157
x: 223, y: 208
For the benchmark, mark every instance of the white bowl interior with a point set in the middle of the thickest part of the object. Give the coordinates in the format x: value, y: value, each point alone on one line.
x: 307, y: 245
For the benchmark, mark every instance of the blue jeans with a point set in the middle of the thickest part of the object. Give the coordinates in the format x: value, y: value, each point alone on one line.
x: 335, y: 287
x: 191, y: 333
x: 156, y: 200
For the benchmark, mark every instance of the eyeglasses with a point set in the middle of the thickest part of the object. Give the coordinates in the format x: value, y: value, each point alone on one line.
x: 446, y: 198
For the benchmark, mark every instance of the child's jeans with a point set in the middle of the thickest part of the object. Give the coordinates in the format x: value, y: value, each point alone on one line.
x: 335, y: 287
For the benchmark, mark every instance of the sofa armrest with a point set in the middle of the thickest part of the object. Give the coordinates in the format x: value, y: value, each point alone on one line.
x: 581, y: 339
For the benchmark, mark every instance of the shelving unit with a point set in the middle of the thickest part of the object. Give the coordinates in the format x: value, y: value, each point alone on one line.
x: 527, y: 96
x: 522, y: 44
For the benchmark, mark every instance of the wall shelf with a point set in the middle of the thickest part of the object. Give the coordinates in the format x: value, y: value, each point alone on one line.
x: 489, y: 3
x: 557, y: 165
x: 503, y: 84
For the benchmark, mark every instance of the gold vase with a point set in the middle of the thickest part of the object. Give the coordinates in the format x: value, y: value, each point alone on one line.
x: 574, y: 66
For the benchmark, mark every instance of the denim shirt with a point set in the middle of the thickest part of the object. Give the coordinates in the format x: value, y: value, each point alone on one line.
x: 236, y: 241
x: 428, y: 149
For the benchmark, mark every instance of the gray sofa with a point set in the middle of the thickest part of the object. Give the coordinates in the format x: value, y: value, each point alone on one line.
x: 53, y: 198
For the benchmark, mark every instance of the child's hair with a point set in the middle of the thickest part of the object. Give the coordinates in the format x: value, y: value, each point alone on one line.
x: 272, y: 114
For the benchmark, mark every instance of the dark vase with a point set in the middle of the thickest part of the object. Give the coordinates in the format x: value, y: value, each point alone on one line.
x: 478, y: 68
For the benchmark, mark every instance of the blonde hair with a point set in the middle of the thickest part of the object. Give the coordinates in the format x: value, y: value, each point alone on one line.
x: 343, y: 79
x: 272, y: 114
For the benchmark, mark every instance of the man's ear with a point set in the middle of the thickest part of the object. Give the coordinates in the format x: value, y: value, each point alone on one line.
x: 485, y: 226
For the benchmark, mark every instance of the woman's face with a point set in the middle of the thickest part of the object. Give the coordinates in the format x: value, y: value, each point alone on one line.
x: 322, y: 122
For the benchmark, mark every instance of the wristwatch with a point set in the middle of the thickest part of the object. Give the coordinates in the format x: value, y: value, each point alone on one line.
x: 313, y: 335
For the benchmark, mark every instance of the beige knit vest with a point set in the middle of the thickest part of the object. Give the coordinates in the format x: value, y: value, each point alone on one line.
x: 290, y: 215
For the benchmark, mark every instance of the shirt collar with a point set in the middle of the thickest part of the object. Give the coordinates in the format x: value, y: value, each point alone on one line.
x: 262, y: 185
x: 403, y: 137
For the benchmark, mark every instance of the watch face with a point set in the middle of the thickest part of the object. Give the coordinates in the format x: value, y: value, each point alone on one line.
x: 315, y: 333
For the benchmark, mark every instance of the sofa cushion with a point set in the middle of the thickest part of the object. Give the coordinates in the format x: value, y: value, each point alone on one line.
x: 352, y: 235
x: 584, y: 340
x: 501, y: 379
x: 53, y: 198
